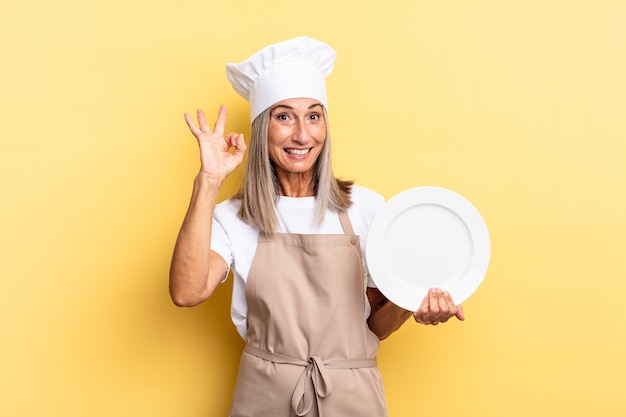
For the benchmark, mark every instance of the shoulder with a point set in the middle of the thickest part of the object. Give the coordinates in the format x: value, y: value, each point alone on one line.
x: 227, y: 210
x: 231, y: 236
x: 226, y: 215
x: 366, y: 204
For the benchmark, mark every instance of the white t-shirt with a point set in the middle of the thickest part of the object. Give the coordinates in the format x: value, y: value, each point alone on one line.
x: 236, y: 241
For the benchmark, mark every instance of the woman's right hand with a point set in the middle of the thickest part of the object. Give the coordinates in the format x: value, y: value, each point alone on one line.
x: 216, y: 158
x: 196, y: 270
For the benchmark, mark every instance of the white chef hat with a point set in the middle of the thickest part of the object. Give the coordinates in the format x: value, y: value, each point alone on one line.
x: 294, y: 68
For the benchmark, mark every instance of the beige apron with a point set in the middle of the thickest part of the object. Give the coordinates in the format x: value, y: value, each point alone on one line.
x: 310, y: 351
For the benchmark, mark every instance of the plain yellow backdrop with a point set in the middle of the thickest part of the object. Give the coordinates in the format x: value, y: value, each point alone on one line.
x: 518, y: 105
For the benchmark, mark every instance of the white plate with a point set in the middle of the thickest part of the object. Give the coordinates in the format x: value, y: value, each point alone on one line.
x: 427, y: 237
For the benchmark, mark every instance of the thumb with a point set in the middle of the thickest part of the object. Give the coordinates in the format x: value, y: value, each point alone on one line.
x: 239, y: 144
x: 459, y: 313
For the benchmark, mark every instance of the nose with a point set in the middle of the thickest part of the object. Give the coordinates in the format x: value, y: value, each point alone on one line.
x: 300, y: 132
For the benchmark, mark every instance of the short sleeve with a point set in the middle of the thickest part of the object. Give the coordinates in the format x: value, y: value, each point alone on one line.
x: 220, y: 244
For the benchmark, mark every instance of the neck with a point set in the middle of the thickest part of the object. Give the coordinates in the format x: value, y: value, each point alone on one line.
x: 296, y: 184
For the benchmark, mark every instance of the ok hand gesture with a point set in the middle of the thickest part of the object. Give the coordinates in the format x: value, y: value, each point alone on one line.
x: 215, y: 149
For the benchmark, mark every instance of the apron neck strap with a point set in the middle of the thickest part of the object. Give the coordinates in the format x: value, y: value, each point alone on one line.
x: 345, y: 222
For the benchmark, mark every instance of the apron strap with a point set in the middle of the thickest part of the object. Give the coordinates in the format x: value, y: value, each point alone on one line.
x: 314, y: 382
x: 345, y: 222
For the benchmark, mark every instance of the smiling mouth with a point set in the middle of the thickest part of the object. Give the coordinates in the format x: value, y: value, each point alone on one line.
x: 298, y: 152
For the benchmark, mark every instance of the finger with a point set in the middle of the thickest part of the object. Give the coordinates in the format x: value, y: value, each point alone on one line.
x: 221, y: 121
x: 421, y: 312
x: 204, y: 126
x: 435, y: 303
x: 453, y: 309
x: 191, y: 123
x: 459, y: 313
x: 240, y: 150
x: 440, y: 310
x: 231, y: 139
x: 446, y: 305
x: 240, y: 145
x: 449, y: 300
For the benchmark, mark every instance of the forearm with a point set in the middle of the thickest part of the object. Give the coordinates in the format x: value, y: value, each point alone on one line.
x: 190, y: 282
x: 385, y: 317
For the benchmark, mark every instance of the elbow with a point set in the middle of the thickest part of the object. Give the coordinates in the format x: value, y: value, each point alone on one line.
x: 384, y: 323
x: 180, y: 301
x: 182, y: 290
x: 188, y: 290
x: 182, y: 298
x: 383, y: 336
x: 380, y: 333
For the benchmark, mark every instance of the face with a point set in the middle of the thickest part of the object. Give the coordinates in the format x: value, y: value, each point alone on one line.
x: 296, y: 135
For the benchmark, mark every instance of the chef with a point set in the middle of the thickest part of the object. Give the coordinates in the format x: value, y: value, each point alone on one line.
x: 293, y: 235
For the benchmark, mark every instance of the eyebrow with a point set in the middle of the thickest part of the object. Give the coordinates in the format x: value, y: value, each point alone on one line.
x: 278, y: 106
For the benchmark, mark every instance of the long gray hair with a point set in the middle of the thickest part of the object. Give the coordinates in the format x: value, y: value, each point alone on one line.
x: 259, y: 190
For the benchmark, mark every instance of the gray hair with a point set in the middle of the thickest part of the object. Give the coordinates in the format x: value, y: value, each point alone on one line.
x: 259, y: 191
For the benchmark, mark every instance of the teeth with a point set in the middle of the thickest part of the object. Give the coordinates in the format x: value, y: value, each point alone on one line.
x: 297, y: 152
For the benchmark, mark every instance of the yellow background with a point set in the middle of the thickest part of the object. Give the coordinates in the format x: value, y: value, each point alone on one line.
x: 520, y: 106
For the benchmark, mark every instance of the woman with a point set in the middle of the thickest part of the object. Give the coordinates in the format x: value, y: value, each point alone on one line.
x: 302, y: 298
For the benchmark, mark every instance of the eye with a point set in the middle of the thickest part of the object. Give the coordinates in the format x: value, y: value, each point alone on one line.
x: 283, y: 117
x: 315, y: 116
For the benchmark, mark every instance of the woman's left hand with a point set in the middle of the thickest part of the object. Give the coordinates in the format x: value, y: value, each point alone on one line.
x: 437, y: 307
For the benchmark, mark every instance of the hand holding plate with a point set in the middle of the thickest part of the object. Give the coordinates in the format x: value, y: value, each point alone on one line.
x: 437, y: 307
